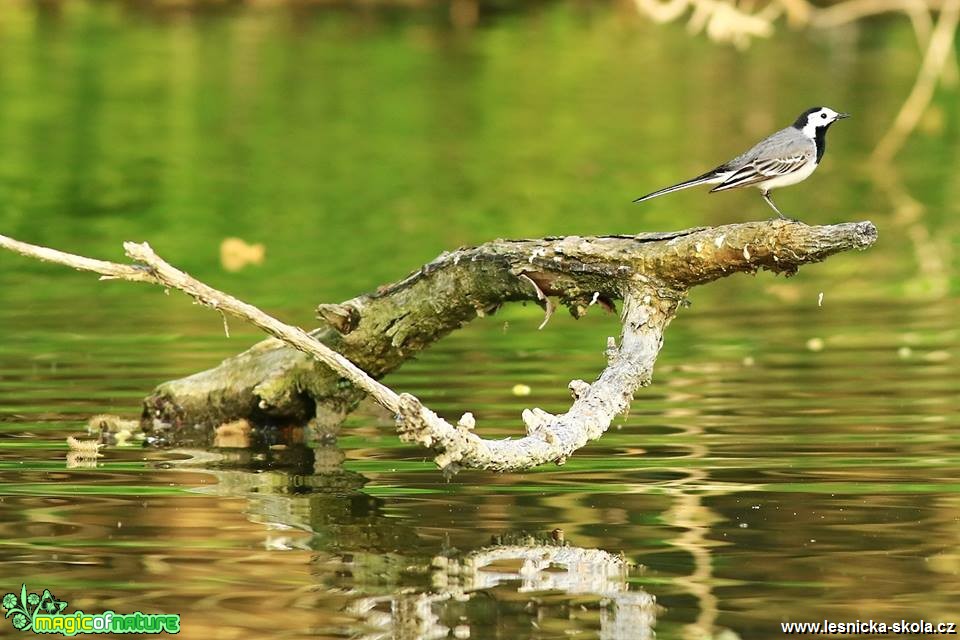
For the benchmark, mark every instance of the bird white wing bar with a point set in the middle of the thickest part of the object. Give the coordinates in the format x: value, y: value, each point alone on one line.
x: 761, y: 170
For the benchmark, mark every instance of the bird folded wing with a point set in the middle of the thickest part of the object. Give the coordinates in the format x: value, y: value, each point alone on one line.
x: 760, y: 170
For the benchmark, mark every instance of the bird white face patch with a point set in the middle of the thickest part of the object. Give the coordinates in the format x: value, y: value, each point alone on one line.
x: 822, y: 117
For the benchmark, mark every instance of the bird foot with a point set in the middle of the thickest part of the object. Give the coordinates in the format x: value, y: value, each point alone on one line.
x: 780, y: 216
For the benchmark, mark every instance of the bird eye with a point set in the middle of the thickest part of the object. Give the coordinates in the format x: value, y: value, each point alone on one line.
x: 823, y: 115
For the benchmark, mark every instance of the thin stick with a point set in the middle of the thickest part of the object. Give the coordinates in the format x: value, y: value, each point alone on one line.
x: 108, y: 270
x: 155, y: 270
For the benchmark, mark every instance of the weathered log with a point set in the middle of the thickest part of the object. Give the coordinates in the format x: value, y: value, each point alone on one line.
x: 373, y: 334
x: 380, y: 330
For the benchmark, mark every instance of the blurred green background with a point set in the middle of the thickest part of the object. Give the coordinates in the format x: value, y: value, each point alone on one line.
x: 790, y: 462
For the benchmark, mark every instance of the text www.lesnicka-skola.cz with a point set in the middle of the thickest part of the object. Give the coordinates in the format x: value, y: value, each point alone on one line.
x: 870, y: 627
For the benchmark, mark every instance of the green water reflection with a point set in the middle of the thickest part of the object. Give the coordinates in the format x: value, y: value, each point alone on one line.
x: 791, y: 461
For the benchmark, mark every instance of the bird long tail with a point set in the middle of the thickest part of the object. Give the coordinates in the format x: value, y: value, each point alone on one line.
x: 707, y: 178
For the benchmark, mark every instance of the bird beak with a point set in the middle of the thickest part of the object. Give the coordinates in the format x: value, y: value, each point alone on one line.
x: 841, y: 116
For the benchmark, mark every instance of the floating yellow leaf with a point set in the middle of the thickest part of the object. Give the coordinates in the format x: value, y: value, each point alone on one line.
x: 235, y: 254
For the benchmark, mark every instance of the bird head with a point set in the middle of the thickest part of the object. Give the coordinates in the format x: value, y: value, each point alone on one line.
x: 817, y: 118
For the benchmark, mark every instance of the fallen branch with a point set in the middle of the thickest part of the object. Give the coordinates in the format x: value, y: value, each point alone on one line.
x: 649, y: 272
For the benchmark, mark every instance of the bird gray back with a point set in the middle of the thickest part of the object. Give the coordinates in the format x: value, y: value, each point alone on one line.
x: 786, y: 143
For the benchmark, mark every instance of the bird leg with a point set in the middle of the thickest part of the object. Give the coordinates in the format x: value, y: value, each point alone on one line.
x: 766, y: 196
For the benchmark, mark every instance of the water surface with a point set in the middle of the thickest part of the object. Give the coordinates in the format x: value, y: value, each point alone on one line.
x: 792, y: 461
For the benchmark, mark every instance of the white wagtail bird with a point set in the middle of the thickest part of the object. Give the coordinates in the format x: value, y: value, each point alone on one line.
x: 787, y: 157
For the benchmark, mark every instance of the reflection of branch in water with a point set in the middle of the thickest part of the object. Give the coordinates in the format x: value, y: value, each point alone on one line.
x: 933, y: 277
x: 931, y: 251
x: 573, y: 571
x: 729, y: 21
x: 931, y: 70
x: 918, y: 11
x: 906, y: 208
x: 723, y: 21
x: 397, y: 593
x: 853, y: 10
x: 689, y: 513
x: 79, y: 460
x: 736, y: 24
x: 409, y: 616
